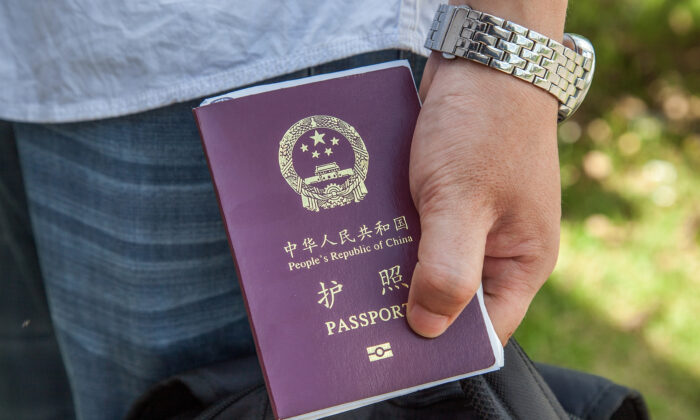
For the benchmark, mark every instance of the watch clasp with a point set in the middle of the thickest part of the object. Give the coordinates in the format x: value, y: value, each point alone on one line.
x: 582, y: 46
x: 448, y: 32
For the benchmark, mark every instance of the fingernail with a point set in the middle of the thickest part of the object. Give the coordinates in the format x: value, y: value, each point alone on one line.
x: 426, y: 323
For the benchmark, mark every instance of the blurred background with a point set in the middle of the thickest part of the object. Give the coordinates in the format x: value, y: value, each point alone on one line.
x: 624, y: 300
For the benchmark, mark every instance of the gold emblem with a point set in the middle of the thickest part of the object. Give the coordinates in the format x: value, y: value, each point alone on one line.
x: 379, y: 352
x: 333, y: 191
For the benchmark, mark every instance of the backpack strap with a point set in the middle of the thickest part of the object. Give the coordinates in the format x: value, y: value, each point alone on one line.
x: 516, y: 391
x: 586, y: 396
x: 520, y: 391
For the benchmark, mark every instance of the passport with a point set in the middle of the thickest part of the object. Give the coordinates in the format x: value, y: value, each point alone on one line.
x: 312, y: 181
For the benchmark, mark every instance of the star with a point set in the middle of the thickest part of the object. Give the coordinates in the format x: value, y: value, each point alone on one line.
x: 328, y: 151
x: 335, y: 141
x: 304, y: 148
x: 314, y: 154
x: 318, y: 138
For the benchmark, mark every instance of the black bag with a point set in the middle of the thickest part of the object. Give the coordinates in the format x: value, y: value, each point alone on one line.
x: 520, y: 390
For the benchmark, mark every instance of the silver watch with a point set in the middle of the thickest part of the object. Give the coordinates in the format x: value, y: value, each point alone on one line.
x: 460, y: 31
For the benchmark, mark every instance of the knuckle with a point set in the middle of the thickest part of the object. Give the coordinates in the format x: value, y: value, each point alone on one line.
x: 445, y: 289
x: 452, y: 190
x: 529, y: 233
x: 435, y: 197
x: 543, y: 244
x: 537, y: 260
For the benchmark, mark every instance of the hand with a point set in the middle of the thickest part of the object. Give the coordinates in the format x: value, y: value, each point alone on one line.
x: 484, y: 175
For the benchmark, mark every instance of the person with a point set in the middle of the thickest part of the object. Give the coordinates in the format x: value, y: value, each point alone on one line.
x: 132, y: 251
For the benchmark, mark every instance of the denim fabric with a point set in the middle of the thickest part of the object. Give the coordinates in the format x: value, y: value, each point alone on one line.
x: 133, y: 253
x: 33, y: 382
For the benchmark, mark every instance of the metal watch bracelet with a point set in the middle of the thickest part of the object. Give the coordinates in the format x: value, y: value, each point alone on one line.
x: 460, y: 31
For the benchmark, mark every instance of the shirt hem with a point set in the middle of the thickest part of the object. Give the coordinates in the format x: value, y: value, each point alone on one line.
x: 406, y: 38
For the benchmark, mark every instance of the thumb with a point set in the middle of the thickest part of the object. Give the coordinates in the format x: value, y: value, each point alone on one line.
x: 448, y: 272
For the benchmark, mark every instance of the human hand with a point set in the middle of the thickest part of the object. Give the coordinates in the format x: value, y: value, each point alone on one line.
x: 484, y: 175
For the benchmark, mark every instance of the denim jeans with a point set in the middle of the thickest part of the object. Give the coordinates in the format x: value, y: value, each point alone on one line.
x: 133, y: 254
x: 33, y: 383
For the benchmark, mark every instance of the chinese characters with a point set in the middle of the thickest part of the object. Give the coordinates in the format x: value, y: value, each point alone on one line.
x: 328, y: 293
x: 346, y: 236
x: 391, y: 279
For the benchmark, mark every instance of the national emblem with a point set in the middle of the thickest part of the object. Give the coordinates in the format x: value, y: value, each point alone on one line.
x: 331, y: 194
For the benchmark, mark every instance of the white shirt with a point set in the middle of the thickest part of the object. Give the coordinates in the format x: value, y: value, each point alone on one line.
x: 73, y: 60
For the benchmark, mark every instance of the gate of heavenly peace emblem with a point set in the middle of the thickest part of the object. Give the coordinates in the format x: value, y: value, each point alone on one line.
x: 325, y: 161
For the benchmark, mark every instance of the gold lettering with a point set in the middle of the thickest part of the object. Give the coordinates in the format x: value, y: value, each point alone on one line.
x: 305, y: 264
x: 341, y: 325
x: 396, y: 309
x: 366, y: 319
x: 372, y: 317
x: 400, y: 223
x: 381, y: 314
x: 391, y: 242
x: 357, y: 250
x: 289, y: 249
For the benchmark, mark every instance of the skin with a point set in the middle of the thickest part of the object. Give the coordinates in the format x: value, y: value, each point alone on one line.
x: 484, y: 176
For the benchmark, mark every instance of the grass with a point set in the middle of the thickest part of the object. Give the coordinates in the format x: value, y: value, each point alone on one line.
x: 624, y: 300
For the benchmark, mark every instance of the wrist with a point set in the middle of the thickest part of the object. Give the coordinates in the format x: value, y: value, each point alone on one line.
x: 476, y: 87
x: 507, y: 45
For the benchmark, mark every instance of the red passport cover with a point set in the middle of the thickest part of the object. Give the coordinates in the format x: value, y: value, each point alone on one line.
x: 312, y: 180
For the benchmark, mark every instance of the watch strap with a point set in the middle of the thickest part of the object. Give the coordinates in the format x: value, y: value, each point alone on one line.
x: 460, y: 31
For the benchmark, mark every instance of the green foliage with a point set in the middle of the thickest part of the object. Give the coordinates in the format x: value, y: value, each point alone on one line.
x: 625, y: 297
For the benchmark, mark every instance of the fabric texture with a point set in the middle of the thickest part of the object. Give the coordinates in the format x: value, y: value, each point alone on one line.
x: 235, y: 390
x: 33, y: 382
x: 76, y: 60
x: 134, y: 256
x: 135, y: 261
x: 521, y: 390
x: 590, y: 397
